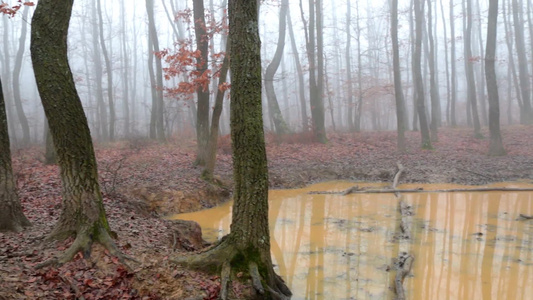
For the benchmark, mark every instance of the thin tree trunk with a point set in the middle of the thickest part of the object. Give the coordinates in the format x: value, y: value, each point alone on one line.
x: 453, y: 68
x: 481, y: 80
x: 16, y: 80
x: 112, y: 117
x: 417, y: 57
x: 448, y: 93
x: 511, y: 64
x: 348, y: 57
x: 496, y: 145
x: 98, y: 74
x: 470, y: 80
x: 398, y: 91
x: 126, y: 71
x: 202, y: 92
x: 412, y: 38
x: 273, y: 105
x: 522, y: 61
x: 299, y: 70
x: 434, y: 90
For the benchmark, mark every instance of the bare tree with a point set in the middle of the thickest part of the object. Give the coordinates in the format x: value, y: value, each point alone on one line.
x: 299, y: 70
x: 398, y: 91
x: 434, y: 90
x: 496, y: 145
x: 273, y: 105
x: 109, y: 71
x: 522, y: 62
x: 470, y: 80
x: 417, y: 70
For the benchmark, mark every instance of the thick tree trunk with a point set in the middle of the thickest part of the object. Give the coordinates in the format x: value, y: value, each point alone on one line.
x: 16, y: 80
x: 273, y: 105
x: 202, y: 92
x: 417, y: 57
x: 11, y: 216
x: 496, y: 145
x: 398, y: 91
x: 83, y: 212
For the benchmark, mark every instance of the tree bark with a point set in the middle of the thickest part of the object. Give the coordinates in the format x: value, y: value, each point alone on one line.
x: 247, y: 247
x: 273, y: 105
x: 11, y: 216
x: 496, y: 145
x: 398, y: 91
x: 83, y: 213
x: 202, y: 92
x: 102, y: 125
x: 417, y: 57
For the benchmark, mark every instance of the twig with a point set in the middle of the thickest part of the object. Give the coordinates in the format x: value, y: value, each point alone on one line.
x: 404, y: 267
x: 475, y: 173
x: 73, y: 286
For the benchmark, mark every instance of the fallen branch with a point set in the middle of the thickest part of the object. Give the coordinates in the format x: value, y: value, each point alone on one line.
x: 420, y: 190
x: 525, y: 217
x: 405, y: 262
x: 476, y: 173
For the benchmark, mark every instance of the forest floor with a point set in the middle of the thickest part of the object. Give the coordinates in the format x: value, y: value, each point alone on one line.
x: 143, y: 181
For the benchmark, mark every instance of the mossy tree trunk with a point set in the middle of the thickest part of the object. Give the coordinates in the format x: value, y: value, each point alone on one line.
x: 83, y: 212
x: 11, y: 216
x: 247, y: 247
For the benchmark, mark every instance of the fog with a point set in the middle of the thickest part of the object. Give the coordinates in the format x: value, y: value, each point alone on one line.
x: 357, y: 80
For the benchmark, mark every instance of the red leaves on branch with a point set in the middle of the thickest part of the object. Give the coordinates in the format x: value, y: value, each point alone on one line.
x: 11, y: 11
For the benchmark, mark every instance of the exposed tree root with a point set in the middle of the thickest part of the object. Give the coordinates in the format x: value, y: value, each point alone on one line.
x: 225, y: 258
x: 83, y: 243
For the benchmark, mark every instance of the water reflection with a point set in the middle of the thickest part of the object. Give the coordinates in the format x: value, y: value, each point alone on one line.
x: 466, y: 245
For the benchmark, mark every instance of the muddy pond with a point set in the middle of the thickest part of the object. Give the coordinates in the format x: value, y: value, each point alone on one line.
x: 466, y: 245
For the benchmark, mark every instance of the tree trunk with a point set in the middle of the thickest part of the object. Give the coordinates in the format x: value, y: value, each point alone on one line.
x: 217, y: 111
x: 412, y: 39
x: 522, y: 62
x: 398, y: 91
x: 11, y: 216
x: 273, y: 105
x: 453, y: 97
x: 50, y: 157
x: 301, y: 85
x: 102, y: 124
x: 348, y: 57
x: 83, y: 212
x: 496, y: 145
x: 126, y: 71
x: 247, y: 247
x: 109, y: 70
x: 448, y: 94
x: 202, y: 92
x: 318, y: 102
x: 434, y: 90
x: 16, y: 80
x: 157, y: 121
x: 470, y: 80
x: 419, y: 83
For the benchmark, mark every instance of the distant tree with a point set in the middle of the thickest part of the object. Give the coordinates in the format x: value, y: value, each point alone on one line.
x: 496, y: 145
x: 453, y: 96
x: 109, y: 71
x: 523, y: 73
x: 11, y: 216
x: 157, y: 128
x: 433, y: 81
x: 22, y: 119
x: 469, y: 69
x: 417, y: 70
x: 398, y: 91
x: 273, y: 106
x: 247, y: 247
x: 83, y: 214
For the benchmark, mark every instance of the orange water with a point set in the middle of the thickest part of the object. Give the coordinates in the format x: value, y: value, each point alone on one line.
x: 466, y: 245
